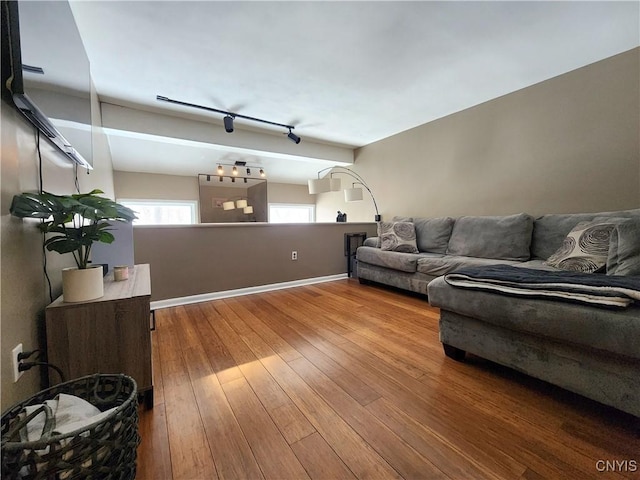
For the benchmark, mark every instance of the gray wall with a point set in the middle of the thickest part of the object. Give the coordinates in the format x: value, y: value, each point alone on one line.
x: 24, y: 290
x: 569, y: 144
x: 192, y: 260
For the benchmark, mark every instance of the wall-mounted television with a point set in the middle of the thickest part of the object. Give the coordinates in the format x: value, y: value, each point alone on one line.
x: 50, y: 80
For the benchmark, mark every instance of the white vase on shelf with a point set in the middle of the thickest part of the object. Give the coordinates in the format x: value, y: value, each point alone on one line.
x: 81, y: 285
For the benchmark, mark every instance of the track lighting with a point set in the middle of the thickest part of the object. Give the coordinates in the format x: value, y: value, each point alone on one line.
x: 293, y: 137
x: 234, y: 171
x: 230, y: 116
x: 228, y: 124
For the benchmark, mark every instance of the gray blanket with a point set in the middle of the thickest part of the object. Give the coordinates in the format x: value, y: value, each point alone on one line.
x: 588, y: 288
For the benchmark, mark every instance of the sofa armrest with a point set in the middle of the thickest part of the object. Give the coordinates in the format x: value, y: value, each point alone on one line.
x: 372, y: 242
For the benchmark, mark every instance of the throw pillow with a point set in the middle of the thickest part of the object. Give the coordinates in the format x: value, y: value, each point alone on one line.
x: 398, y: 237
x: 585, y: 248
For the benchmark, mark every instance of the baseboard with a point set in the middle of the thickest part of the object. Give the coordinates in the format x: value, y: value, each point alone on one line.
x: 205, y: 297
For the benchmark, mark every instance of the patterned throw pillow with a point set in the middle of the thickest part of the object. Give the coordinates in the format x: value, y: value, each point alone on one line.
x: 585, y: 248
x: 397, y: 237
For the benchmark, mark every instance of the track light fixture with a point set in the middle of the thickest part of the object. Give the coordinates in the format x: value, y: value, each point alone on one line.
x: 293, y: 137
x: 228, y: 124
x: 230, y: 116
x: 235, y: 170
x: 208, y: 178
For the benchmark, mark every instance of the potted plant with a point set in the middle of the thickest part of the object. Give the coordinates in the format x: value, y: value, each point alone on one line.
x: 75, y: 222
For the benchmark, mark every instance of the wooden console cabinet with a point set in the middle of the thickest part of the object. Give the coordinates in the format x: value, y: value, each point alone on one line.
x: 108, y: 335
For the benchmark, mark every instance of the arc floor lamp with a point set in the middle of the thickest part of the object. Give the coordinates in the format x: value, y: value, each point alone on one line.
x: 330, y: 183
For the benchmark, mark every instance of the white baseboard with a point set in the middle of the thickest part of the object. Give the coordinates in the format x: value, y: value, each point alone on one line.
x: 205, y: 297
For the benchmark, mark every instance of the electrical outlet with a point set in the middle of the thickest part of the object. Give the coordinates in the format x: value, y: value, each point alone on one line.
x: 15, y: 362
x: 294, y: 255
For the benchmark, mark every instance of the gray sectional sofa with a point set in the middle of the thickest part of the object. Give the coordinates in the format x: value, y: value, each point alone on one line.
x: 590, y: 350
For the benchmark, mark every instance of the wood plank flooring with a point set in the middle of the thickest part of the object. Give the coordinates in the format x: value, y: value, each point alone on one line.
x: 341, y: 381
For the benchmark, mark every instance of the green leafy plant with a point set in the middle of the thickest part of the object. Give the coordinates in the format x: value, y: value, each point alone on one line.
x: 76, y: 221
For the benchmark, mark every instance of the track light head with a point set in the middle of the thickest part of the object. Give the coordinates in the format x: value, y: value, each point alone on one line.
x: 262, y: 174
x: 220, y: 170
x: 221, y: 178
x: 234, y: 171
x: 245, y: 179
x: 228, y: 124
x: 248, y: 171
x: 208, y: 178
x: 233, y: 179
x: 293, y: 137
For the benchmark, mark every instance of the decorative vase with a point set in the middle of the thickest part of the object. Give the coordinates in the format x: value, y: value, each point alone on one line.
x: 81, y: 285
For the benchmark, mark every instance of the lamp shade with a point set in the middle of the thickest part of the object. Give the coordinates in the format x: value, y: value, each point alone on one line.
x: 248, y: 209
x: 324, y: 185
x: 241, y: 203
x: 352, y: 194
x: 230, y: 205
x: 319, y: 185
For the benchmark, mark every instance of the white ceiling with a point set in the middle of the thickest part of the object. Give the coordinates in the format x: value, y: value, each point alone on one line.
x: 347, y: 73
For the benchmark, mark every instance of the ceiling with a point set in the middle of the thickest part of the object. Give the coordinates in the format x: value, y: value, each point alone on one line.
x: 343, y: 73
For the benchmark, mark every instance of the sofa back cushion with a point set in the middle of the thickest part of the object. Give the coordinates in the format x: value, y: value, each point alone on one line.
x: 432, y: 234
x: 549, y: 231
x: 624, y: 248
x: 505, y: 237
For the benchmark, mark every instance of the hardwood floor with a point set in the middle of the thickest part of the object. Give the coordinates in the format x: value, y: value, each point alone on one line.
x: 340, y: 380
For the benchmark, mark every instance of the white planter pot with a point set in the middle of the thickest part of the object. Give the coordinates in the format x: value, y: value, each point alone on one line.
x: 81, y: 285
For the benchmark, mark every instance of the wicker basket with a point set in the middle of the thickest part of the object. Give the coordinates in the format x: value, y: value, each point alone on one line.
x: 105, y: 449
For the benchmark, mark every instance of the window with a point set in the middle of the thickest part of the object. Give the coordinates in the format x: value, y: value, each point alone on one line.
x: 291, y: 213
x: 163, y: 212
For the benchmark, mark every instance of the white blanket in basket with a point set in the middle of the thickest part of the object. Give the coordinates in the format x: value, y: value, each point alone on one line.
x: 69, y: 413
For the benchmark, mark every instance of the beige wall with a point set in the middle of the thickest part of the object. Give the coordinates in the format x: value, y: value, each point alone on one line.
x: 289, y: 193
x: 24, y: 289
x: 151, y: 186
x: 197, y: 259
x: 569, y: 144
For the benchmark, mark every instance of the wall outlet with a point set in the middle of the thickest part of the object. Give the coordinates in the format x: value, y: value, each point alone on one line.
x: 294, y: 255
x: 15, y: 362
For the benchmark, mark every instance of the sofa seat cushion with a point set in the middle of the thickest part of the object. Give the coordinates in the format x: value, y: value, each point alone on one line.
x: 405, y: 262
x: 439, y: 265
x: 503, y: 237
x: 615, y: 331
